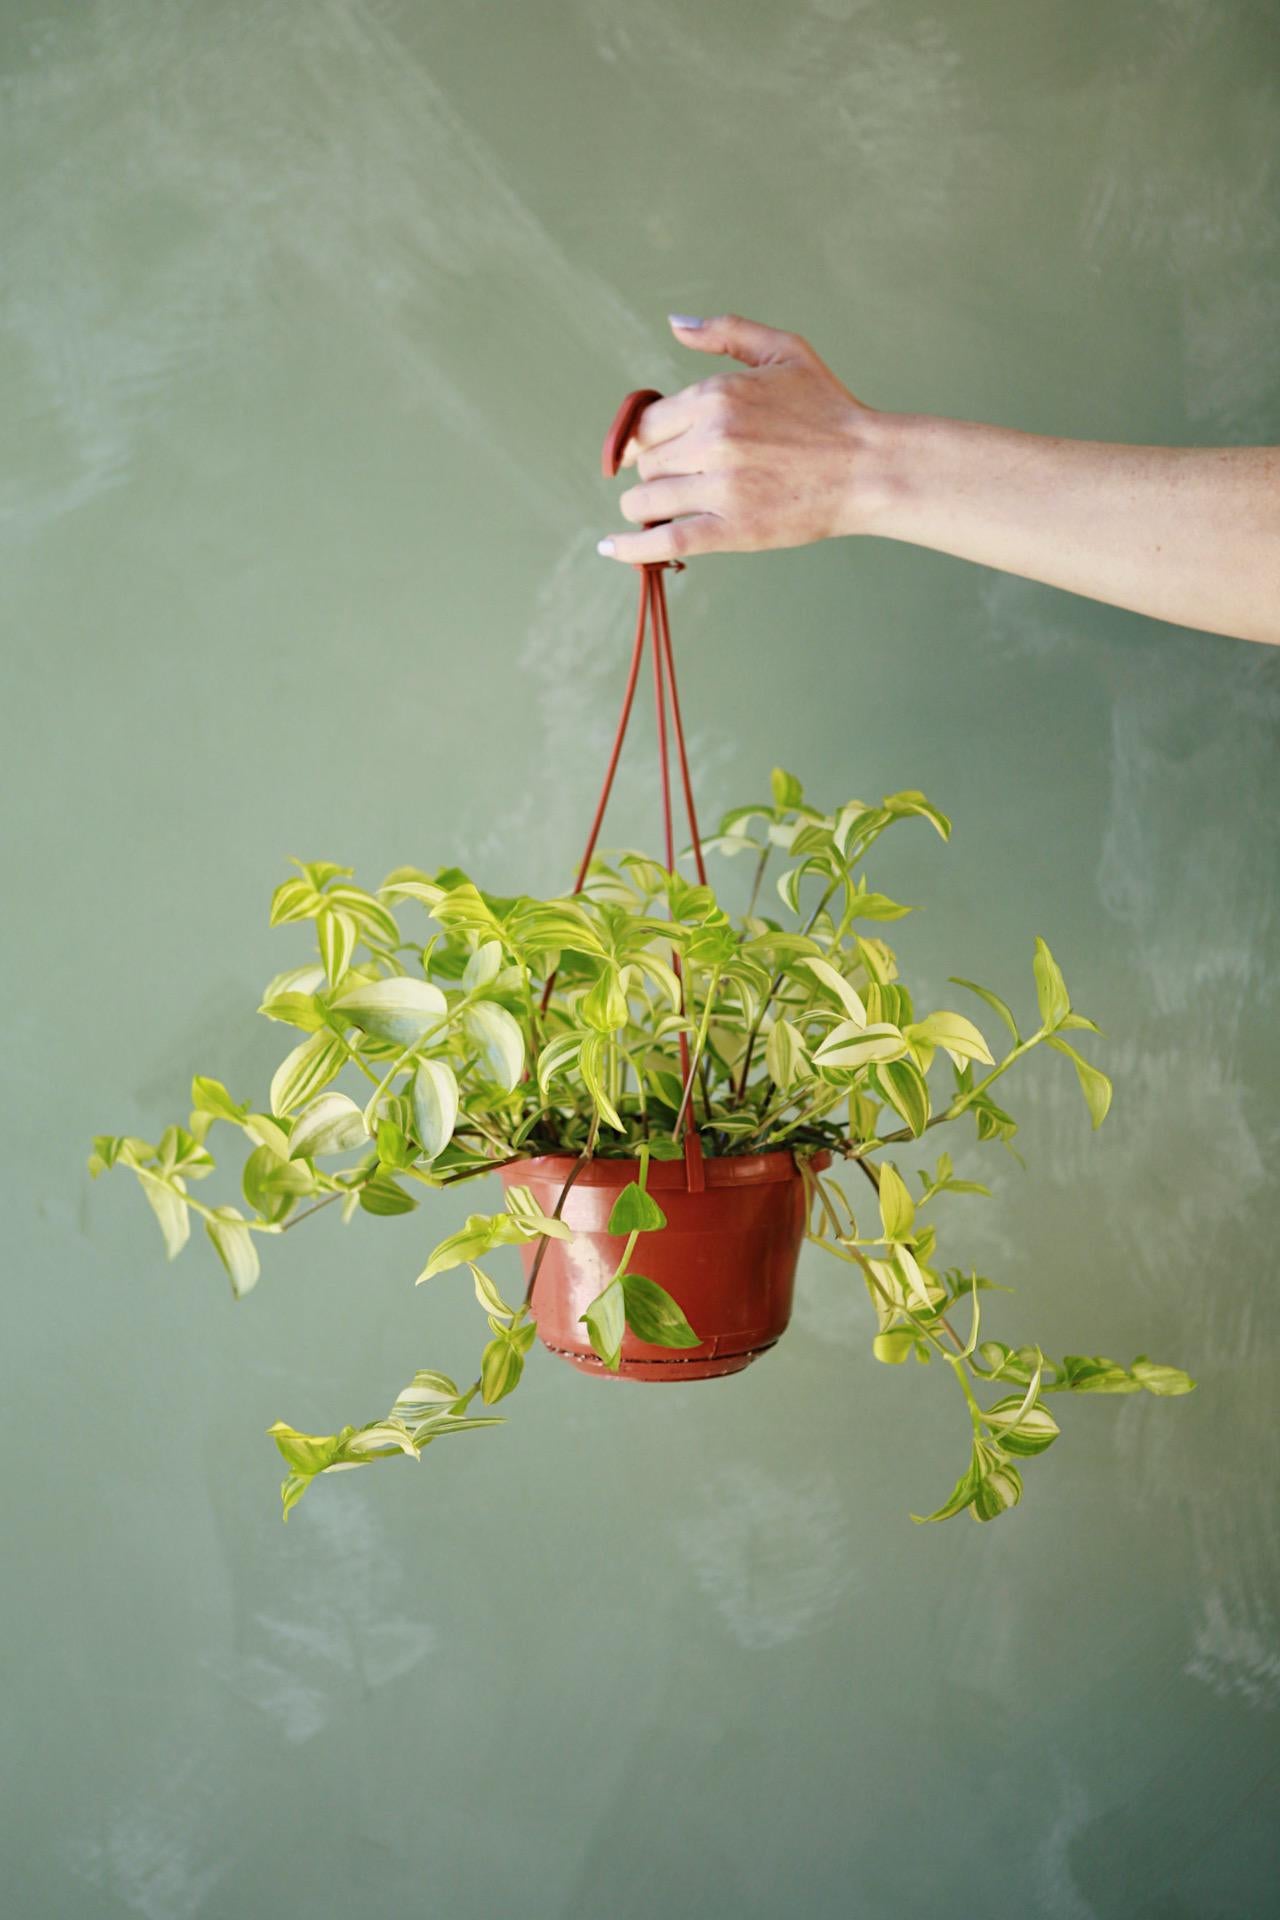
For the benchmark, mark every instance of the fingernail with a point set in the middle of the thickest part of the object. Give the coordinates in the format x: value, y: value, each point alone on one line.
x: 687, y: 321
x: 605, y: 547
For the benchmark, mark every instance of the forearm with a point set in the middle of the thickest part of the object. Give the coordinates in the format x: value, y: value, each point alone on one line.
x: 1187, y: 535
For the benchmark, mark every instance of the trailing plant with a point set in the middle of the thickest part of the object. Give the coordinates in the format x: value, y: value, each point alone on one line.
x: 507, y: 1027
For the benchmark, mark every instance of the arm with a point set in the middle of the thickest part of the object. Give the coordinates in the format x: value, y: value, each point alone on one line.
x: 782, y: 454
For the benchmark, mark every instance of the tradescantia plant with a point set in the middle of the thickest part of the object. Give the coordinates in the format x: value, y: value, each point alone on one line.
x: 515, y: 1027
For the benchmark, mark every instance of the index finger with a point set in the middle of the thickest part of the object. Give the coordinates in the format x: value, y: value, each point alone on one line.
x: 664, y: 419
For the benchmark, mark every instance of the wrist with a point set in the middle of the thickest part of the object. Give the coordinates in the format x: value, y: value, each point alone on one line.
x: 889, y: 460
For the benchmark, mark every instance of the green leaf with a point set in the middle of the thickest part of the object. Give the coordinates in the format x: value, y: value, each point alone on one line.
x: 635, y: 1211
x: 604, y: 1007
x: 787, y: 790
x: 998, y: 1489
x: 402, y: 1010
x: 788, y: 886
x: 500, y: 1040
x: 320, y: 872
x: 1094, y: 1373
x: 331, y: 1123
x: 786, y: 1057
x: 234, y: 1244
x: 591, y: 1067
x: 897, y: 1209
x: 379, y: 1437
x: 876, y: 906
x: 1021, y: 1429
x: 211, y: 1097
x: 525, y: 1209
x: 170, y: 1209
x: 272, y: 1186
x: 1094, y: 1084
x: 606, y: 1323
x: 302, y: 1073
x: 482, y: 1232
x: 662, y: 976
x: 336, y: 937
x: 1159, y: 1379
x: 1051, y: 988
x: 383, y: 1196
x: 535, y: 927
x: 653, y: 1316
x: 487, y: 1294
x: 1004, y: 1363
x: 426, y: 1392
x: 893, y: 1348
x: 907, y: 1091
x: 307, y: 1453
x: 836, y: 984
x: 483, y: 966
x: 993, y: 1000
x: 301, y: 980
x: 557, y: 1057
x: 501, y: 1365
x: 265, y: 1132
x: 294, y: 899
x: 919, y: 1289
x: 712, y: 944
x: 913, y: 802
x: 852, y: 1045
x: 112, y: 1149
x: 395, y: 1149
x: 296, y: 1010
x: 954, y: 1034
x: 368, y: 913
x: 435, y: 1105
x: 409, y: 883
x: 960, y: 1497
x: 182, y: 1152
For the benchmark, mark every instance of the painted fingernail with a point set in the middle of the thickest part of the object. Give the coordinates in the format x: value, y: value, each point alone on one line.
x: 686, y: 321
x: 605, y: 547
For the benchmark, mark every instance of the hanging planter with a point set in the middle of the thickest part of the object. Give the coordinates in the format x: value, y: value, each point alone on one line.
x: 674, y: 1096
x: 725, y: 1250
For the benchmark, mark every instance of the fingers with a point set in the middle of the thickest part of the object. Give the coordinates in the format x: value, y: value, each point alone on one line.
x: 746, y: 340
x: 663, y: 420
x: 677, y: 540
x: 663, y: 499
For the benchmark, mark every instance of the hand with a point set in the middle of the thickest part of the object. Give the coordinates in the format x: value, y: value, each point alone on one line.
x: 743, y: 461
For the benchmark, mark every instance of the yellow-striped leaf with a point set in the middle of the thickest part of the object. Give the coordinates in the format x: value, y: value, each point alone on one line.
x: 305, y: 1071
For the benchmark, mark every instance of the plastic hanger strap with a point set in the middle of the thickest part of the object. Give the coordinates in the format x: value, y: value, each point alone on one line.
x: 652, y: 609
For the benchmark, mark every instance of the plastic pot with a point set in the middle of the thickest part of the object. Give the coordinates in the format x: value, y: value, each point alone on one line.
x: 728, y: 1255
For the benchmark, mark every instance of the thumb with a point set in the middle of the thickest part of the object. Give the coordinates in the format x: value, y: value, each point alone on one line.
x: 747, y: 340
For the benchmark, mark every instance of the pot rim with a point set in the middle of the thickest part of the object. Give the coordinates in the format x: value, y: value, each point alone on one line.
x: 729, y: 1170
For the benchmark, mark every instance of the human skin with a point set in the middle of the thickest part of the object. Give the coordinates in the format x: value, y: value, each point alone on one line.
x: 779, y: 453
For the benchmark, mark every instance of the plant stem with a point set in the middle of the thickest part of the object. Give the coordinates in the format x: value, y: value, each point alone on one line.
x: 328, y: 1201
x: 474, y: 1173
x: 761, y: 864
x: 699, y: 1043
x: 578, y: 1167
x: 778, y: 979
x: 831, y: 1096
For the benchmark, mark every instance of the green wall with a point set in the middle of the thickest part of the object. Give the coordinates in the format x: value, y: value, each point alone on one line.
x: 313, y: 318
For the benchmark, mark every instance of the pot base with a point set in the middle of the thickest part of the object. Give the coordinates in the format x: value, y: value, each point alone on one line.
x: 698, y: 1367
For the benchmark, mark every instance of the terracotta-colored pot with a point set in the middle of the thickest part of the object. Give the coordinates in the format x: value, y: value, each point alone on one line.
x: 727, y: 1254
